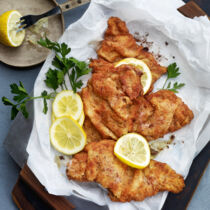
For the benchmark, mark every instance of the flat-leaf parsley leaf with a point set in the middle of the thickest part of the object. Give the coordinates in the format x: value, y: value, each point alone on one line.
x: 173, y: 72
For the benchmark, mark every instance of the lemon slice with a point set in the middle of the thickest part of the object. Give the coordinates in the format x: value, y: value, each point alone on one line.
x: 146, y: 78
x: 67, y: 136
x: 8, y: 29
x: 133, y: 150
x: 53, y: 117
x: 81, y: 119
x: 67, y: 103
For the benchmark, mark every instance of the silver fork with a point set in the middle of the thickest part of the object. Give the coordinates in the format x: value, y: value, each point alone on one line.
x: 29, y: 20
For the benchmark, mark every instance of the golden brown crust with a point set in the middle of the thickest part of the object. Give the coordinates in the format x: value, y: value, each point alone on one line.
x: 118, y: 43
x: 113, y: 99
x: 113, y: 102
x: 170, y: 114
x: 92, y: 133
x: 77, y: 167
x: 116, y: 27
x: 162, y: 177
x: 100, y: 65
x: 108, y: 96
x: 114, y: 105
x: 156, y: 69
x: 123, y: 182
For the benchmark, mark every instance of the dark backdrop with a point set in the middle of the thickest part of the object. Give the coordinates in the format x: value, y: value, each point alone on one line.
x: 201, y: 3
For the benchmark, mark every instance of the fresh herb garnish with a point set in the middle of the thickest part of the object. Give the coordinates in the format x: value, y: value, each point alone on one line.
x: 55, y: 78
x: 173, y: 72
x: 21, y: 98
x: 71, y: 67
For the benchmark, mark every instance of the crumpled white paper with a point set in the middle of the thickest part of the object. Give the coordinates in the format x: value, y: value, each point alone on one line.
x: 189, y: 43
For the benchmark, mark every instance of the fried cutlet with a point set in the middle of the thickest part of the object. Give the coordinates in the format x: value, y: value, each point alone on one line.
x: 91, y: 132
x: 118, y: 43
x: 114, y: 103
x: 107, y: 99
x: 98, y: 163
x: 113, y: 99
x: 104, y: 119
x: 169, y: 114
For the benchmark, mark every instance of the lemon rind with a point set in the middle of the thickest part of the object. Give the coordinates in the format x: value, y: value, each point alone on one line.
x: 8, y: 21
x: 137, y: 61
x: 81, y: 119
x: 63, y: 150
x: 127, y: 161
x: 76, y: 117
x: 6, y: 38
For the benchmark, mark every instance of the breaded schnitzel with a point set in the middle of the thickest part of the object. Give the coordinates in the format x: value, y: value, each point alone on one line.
x: 114, y: 103
x: 169, y: 114
x: 118, y: 43
x: 92, y: 133
x: 98, y: 163
x: 113, y: 99
x: 107, y: 99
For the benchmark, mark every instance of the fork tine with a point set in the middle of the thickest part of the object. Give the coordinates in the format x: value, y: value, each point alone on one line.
x: 20, y: 20
x: 19, y: 30
x: 20, y: 23
x: 28, y: 20
x: 21, y: 27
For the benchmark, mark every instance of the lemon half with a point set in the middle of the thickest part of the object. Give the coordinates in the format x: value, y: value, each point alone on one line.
x: 67, y: 136
x: 67, y: 103
x: 146, y: 78
x: 8, y: 29
x: 133, y: 150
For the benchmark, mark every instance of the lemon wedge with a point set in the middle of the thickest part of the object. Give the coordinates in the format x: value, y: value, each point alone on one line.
x: 146, y: 78
x: 133, y: 150
x: 8, y: 29
x: 67, y: 103
x: 67, y: 136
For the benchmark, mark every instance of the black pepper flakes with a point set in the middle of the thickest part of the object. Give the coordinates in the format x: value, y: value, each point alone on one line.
x: 146, y: 49
x: 61, y: 157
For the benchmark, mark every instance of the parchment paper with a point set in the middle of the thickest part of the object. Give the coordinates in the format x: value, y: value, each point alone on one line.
x: 188, y: 45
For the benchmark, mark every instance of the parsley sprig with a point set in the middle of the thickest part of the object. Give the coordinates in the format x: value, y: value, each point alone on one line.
x: 55, y: 78
x: 21, y: 97
x: 63, y: 65
x: 173, y: 72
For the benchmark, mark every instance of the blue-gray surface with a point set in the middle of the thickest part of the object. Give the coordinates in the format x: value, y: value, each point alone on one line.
x: 9, y: 170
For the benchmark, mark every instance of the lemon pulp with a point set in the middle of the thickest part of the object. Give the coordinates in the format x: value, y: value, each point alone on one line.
x: 67, y: 136
x: 67, y: 103
x: 133, y: 150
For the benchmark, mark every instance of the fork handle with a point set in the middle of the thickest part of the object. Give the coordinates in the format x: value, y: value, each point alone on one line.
x: 70, y: 4
x: 53, y: 11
